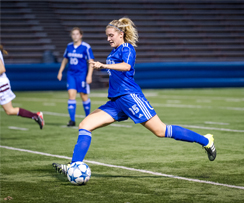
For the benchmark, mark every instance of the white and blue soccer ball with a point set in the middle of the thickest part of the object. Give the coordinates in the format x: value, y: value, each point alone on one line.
x: 79, y: 173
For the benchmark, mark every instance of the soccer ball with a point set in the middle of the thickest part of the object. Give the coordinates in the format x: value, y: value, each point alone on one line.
x: 79, y: 173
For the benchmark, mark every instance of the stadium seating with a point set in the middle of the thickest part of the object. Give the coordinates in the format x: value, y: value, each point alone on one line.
x: 21, y: 33
x: 175, y: 30
x: 36, y: 32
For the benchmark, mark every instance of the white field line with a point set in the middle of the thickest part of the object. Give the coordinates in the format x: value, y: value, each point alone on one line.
x: 203, y: 100
x: 212, y: 128
x: 215, y: 123
x: 127, y: 126
x: 127, y: 168
x: 17, y: 104
x: 81, y: 116
x: 173, y: 101
x: 153, y: 104
x: 17, y: 128
x: 232, y: 108
x: 197, y: 106
x: 114, y: 125
x: 228, y: 99
x: 105, y: 95
x: 120, y: 125
x: 60, y: 114
x: 49, y: 104
x: 67, y: 115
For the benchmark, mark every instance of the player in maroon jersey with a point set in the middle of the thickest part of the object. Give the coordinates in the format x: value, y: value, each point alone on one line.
x: 6, y: 96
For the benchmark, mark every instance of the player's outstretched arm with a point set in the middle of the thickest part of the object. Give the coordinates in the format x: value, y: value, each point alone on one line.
x: 118, y: 66
x: 62, y: 67
x: 2, y: 68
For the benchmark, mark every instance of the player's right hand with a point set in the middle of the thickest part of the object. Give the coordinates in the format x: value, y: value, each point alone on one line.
x: 96, y: 65
x: 59, y: 76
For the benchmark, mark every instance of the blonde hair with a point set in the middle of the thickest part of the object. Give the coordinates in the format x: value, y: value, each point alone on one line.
x: 2, y: 50
x: 126, y: 26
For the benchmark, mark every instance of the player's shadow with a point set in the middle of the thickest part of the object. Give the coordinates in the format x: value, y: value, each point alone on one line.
x: 62, y: 125
x: 63, y: 178
x: 54, y: 124
x: 57, y: 175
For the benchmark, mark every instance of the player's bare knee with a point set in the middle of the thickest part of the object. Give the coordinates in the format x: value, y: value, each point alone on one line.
x: 10, y: 112
x: 160, y: 134
x: 7, y: 112
x: 84, y: 125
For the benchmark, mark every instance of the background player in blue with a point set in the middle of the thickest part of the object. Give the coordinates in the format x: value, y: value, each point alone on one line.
x: 77, y: 54
x: 127, y: 99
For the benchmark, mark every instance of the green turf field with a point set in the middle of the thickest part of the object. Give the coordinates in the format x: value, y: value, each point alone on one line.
x: 29, y: 177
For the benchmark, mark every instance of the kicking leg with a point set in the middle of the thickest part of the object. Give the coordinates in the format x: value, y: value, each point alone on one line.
x: 156, y: 126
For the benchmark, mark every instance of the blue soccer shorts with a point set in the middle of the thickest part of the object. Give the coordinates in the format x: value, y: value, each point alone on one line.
x: 78, y: 82
x: 134, y: 106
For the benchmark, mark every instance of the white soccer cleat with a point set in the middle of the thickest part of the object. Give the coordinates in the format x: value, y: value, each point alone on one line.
x: 210, y: 148
x: 61, y: 168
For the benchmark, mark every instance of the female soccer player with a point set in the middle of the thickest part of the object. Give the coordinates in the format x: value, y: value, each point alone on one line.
x: 126, y: 97
x: 6, y: 96
x: 77, y: 53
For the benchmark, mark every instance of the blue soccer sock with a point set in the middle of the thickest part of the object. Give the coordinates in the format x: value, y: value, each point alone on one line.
x: 87, y: 106
x: 82, y: 145
x: 72, y: 109
x: 183, y: 134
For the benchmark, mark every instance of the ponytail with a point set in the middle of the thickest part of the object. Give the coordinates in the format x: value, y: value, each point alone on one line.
x: 2, y: 50
x: 126, y: 26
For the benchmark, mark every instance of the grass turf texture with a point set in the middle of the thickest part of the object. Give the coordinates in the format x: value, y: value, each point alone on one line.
x: 29, y: 177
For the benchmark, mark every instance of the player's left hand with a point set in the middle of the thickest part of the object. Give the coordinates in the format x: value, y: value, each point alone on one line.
x: 97, y: 65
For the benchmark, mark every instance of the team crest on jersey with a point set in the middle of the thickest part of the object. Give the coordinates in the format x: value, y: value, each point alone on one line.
x: 108, y: 61
x: 76, y: 55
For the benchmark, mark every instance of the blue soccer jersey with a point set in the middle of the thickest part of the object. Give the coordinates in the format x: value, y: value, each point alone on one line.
x: 78, y: 57
x: 122, y: 82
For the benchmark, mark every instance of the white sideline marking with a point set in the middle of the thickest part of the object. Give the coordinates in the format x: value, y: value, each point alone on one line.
x: 61, y: 114
x: 126, y: 168
x: 153, y: 104
x: 16, y: 104
x: 216, y: 123
x: 196, y: 106
x: 81, y: 116
x: 49, y: 104
x: 190, y: 126
x: 129, y: 126
x: 233, y: 108
x: 211, y: 128
x: 120, y: 125
x: 114, y: 125
x: 203, y: 100
x: 17, y: 128
x: 173, y: 101
x: 104, y: 95
x: 202, y: 97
